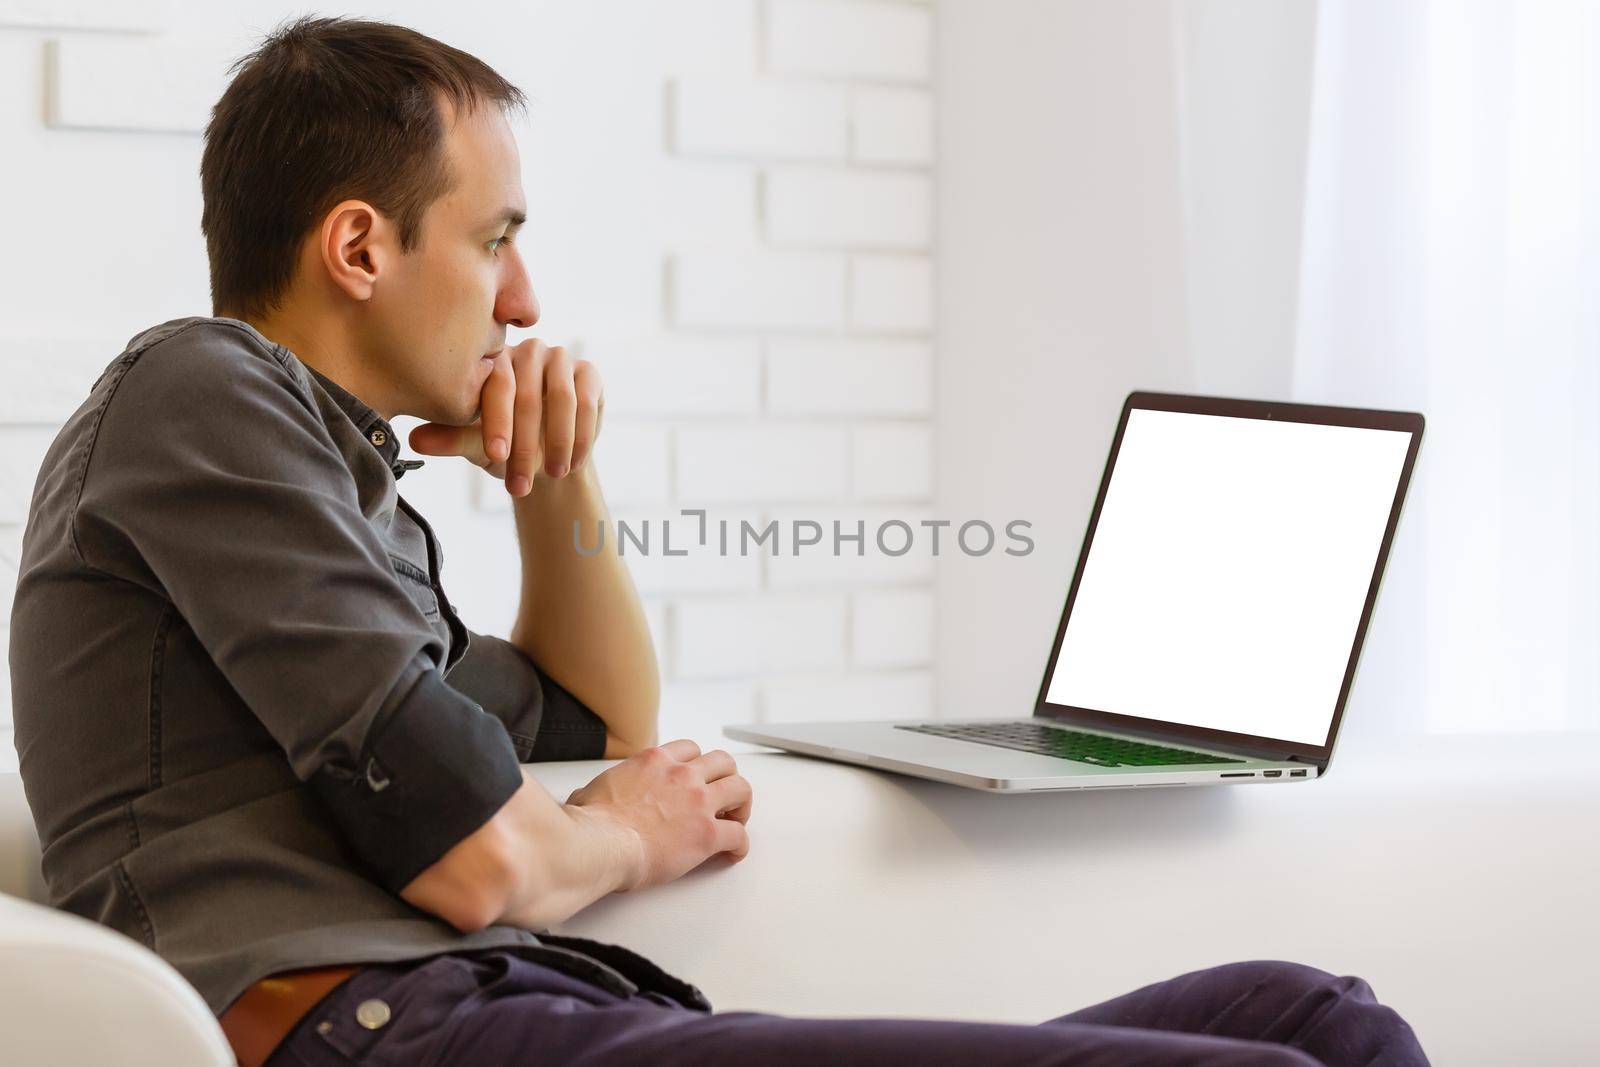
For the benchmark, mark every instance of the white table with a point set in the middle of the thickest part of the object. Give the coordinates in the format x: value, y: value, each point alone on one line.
x: 1457, y: 875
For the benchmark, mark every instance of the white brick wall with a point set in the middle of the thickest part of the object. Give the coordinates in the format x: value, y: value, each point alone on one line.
x: 767, y: 460
x: 708, y: 202
x: 699, y: 710
x: 133, y: 84
x: 752, y: 290
x: 849, y: 377
x: 850, y: 697
x: 23, y: 448
x: 892, y: 126
x: 892, y: 628
x: 891, y: 462
x: 701, y: 36
x: 847, y: 39
x: 748, y: 637
x: 46, y: 377
x: 839, y: 207
x: 732, y: 201
x: 840, y: 135
x: 886, y: 554
x: 677, y: 375
x: 751, y: 118
x: 10, y: 553
x: 85, y: 14
x: 676, y: 561
x: 891, y: 293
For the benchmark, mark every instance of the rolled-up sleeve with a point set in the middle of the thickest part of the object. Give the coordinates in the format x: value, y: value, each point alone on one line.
x: 212, y: 480
x: 545, y: 721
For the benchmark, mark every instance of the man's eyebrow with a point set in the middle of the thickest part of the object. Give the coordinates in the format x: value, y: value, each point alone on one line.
x: 507, y: 215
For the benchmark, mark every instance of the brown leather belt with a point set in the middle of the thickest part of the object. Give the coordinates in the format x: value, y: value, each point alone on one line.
x: 262, y: 1017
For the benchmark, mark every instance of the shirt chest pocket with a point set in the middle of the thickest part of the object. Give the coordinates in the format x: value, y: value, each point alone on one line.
x: 417, y: 586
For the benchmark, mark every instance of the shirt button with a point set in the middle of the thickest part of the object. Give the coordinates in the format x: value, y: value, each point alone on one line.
x: 372, y: 1014
x: 378, y: 437
x: 377, y: 781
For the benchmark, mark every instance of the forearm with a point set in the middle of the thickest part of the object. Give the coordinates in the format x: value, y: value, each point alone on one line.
x: 562, y: 858
x: 580, y: 617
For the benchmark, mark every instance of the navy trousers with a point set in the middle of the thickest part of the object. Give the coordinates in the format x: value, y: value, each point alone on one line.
x: 499, y: 1007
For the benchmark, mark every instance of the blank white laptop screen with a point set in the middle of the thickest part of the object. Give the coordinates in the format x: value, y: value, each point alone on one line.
x: 1227, y: 573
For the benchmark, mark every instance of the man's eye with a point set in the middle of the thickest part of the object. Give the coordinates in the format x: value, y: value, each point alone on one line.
x: 494, y: 245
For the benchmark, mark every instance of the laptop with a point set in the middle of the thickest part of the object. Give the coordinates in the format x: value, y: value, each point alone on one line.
x: 1214, y: 621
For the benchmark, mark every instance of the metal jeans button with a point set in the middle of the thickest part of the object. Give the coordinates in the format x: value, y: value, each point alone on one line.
x: 372, y: 1014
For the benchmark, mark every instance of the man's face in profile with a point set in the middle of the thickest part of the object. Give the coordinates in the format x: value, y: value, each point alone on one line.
x: 445, y: 305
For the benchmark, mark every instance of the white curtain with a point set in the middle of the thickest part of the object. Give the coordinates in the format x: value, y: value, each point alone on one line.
x: 1450, y: 263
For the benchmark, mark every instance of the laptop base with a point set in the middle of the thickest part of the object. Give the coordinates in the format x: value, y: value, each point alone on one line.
x: 880, y: 745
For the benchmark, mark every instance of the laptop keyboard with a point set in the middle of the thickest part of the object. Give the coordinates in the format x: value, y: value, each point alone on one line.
x: 1075, y: 745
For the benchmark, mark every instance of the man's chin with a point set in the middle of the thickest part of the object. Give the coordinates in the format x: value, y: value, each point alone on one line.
x: 458, y: 413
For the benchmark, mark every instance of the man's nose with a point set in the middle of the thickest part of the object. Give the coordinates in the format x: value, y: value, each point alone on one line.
x: 515, y: 304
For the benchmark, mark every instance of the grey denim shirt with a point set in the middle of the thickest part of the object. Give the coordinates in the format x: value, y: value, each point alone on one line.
x: 246, y: 713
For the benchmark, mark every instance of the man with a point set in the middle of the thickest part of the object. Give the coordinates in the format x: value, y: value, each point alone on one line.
x: 256, y: 736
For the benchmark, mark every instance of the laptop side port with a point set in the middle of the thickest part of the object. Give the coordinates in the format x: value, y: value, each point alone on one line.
x: 1239, y: 774
x: 1297, y: 774
x: 1272, y: 774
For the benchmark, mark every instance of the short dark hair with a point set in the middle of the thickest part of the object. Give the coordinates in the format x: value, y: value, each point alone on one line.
x: 326, y: 109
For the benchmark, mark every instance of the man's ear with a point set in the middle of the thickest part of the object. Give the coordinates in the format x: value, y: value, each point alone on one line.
x: 357, y: 243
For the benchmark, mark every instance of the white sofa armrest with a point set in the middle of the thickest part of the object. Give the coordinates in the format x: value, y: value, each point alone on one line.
x: 73, y: 992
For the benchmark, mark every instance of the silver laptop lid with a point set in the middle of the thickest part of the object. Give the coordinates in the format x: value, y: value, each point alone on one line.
x: 1229, y: 572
